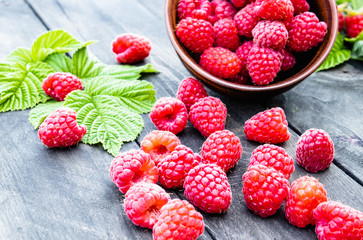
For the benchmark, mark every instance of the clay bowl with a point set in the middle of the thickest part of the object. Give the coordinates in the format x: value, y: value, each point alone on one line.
x: 306, y: 63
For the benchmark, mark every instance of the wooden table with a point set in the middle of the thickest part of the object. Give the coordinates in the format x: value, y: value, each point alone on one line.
x: 67, y: 193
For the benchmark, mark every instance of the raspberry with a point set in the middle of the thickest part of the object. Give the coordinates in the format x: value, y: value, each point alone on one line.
x: 242, y: 53
x: 195, y: 34
x: 220, y: 62
x: 340, y: 21
x: 246, y: 19
x: 178, y: 220
x: 304, y: 196
x: 131, y: 48
x: 238, y: 3
x: 263, y: 64
x: 200, y: 9
x: 273, y: 156
x: 131, y: 167
x: 338, y: 221
x: 174, y: 167
x: 239, y: 79
x: 159, y: 144
x: 221, y: 9
x: 208, y: 115
x: 300, y: 6
x: 169, y: 114
x: 222, y: 148
x: 60, y: 129
x: 315, y: 150
x: 269, y: 126
x: 275, y: 9
x: 306, y: 32
x: 264, y: 189
x: 57, y: 85
x: 207, y: 187
x: 226, y: 34
x: 143, y: 203
x: 270, y: 34
x: 354, y: 25
x: 287, y: 59
x: 190, y: 91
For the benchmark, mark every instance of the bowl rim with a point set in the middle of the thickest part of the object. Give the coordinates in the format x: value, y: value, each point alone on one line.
x: 285, y: 83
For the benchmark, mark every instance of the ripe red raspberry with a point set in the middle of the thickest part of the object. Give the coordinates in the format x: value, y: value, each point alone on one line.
x: 222, y: 148
x: 200, y: 9
x: 239, y: 3
x: 269, y: 126
x: 242, y: 53
x: 57, y: 85
x: 340, y: 21
x: 273, y: 156
x: 207, y: 187
x: 226, y: 34
x: 169, y: 114
x: 143, y: 203
x: 275, y: 9
x: 287, y: 59
x: 263, y: 64
x: 131, y: 167
x: 300, y: 6
x: 239, y: 79
x: 178, y: 220
x: 174, y: 167
x: 195, y: 34
x: 264, y: 189
x: 221, y: 9
x: 159, y: 144
x: 335, y: 220
x: 304, y: 196
x: 220, y: 62
x: 270, y: 34
x: 190, y: 91
x: 131, y: 48
x: 315, y: 150
x: 354, y: 24
x: 306, y: 32
x: 60, y: 129
x: 246, y: 19
x: 208, y: 115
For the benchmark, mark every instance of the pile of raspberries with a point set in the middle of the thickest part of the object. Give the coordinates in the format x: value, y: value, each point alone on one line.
x: 243, y: 40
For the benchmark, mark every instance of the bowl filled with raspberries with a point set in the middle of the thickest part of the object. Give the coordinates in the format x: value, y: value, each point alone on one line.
x: 251, y: 48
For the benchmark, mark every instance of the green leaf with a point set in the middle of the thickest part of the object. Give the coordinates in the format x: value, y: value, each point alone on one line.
x: 356, y: 39
x: 41, y: 111
x: 60, y: 62
x: 20, y: 55
x: 127, y: 72
x: 357, y: 4
x: 85, y: 66
x: 338, y: 2
x: 357, y: 51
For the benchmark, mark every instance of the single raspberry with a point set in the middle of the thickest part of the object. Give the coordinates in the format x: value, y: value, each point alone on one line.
x: 269, y: 126
x: 263, y: 64
x: 275, y: 9
x: 246, y: 19
x: 174, y: 167
x: 239, y: 3
x: 340, y: 21
x: 354, y: 24
x: 200, y: 9
x: 222, y: 148
x: 226, y: 34
x: 304, y: 196
x: 190, y: 91
x: 306, y: 32
x: 195, y: 34
x: 270, y: 34
x: 335, y: 220
x: 159, y: 144
x: 287, y: 59
x: 169, y: 114
x: 300, y: 6
x: 239, y: 79
x: 242, y: 53
x: 220, y: 62
x: 264, y: 189
x: 131, y: 48
x: 208, y: 115
x: 315, y: 150
x: 57, y: 85
x: 273, y: 156
x: 60, y: 129
x: 143, y: 202
x: 207, y: 187
x: 131, y: 167
x: 221, y: 9
x: 178, y: 219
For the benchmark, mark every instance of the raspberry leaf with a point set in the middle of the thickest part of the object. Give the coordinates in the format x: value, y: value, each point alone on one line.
x: 356, y: 39
x: 127, y: 72
x: 60, y: 62
x: 20, y: 55
x: 41, y: 111
x: 357, y: 50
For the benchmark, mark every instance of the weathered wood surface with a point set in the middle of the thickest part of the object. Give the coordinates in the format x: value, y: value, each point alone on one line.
x: 67, y: 193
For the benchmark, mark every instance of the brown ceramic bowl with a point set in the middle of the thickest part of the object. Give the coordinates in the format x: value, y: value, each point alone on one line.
x: 306, y: 63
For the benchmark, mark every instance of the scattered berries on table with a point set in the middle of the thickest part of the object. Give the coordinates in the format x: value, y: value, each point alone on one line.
x: 131, y: 48
x: 221, y: 9
x: 60, y: 129
x: 226, y: 34
x: 200, y: 9
x: 190, y: 91
x: 57, y: 85
x: 270, y: 34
